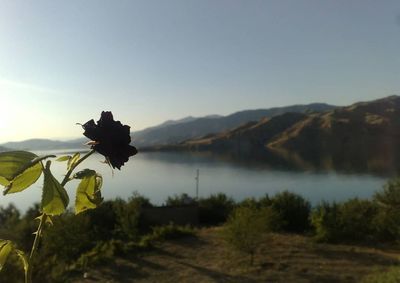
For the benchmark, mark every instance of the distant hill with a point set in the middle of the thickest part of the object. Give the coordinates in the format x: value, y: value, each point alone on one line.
x: 43, y: 144
x: 247, y: 137
x: 174, y: 133
x: 366, y: 127
x: 365, y: 135
x: 180, y: 121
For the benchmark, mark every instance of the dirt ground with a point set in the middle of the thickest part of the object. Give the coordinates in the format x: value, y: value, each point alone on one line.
x: 282, y: 258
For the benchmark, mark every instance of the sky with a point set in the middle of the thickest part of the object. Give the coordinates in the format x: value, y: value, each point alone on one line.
x: 63, y: 62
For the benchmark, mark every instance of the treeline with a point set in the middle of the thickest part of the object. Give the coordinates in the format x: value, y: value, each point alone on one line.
x: 73, y: 243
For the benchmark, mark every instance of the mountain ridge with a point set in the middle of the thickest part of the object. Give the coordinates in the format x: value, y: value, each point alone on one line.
x: 177, y: 131
x: 364, y: 134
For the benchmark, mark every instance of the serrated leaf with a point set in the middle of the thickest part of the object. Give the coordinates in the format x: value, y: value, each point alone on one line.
x: 19, y: 170
x: 88, y: 194
x: 23, y: 258
x: 5, y: 248
x: 12, y: 162
x: 73, y: 160
x: 64, y: 158
x: 24, y: 180
x: 54, y: 198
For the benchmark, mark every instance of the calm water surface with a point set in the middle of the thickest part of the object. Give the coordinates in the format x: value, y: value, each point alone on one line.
x: 158, y: 175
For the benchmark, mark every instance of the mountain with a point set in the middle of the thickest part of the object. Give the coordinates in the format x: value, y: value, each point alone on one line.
x: 366, y: 128
x: 174, y: 133
x: 43, y: 144
x: 361, y: 137
x: 248, y: 137
x: 183, y: 120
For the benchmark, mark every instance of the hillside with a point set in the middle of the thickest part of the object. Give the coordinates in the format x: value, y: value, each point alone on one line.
x: 177, y: 132
x: 360, y: 131
x: 362, y: 137
x: 247, y: 137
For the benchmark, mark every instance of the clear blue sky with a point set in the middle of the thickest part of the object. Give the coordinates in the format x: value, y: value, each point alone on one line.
x: 62, y: 62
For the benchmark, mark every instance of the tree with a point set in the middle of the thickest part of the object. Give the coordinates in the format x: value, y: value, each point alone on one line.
x: 245, y: 228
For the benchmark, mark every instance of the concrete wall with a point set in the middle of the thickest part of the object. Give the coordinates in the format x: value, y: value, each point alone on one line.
x: 163, y: 215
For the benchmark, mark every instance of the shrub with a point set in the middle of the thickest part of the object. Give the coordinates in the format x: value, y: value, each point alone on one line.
x: 102, y: 253
x: 245, y: 228
x: 128, y: 216
x: 387, y: 220
x: 325, y: 221
x: 68, y: 237
x: 167, y: 232
x: 103, y: 220
x: 180, y: 200
x: 273, y: 219
x: 390, y: 194
x: 293, y: 209
x: 215, y: 209
x: 356, y: 218
x: 349, y: 221
x: 249, y: 202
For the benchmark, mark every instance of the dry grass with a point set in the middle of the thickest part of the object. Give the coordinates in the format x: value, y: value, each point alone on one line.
x: 282, y: 258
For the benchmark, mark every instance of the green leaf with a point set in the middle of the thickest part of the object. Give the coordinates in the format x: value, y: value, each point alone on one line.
x: 84, y: 173
x: 23, y: 258
x: 12, y: 162
x: 64, y: 158
x: 25, y: 179
x: 19, y: 170
x: 5, y: 248
x: 3, y: 181
x: 88, y: 194
x: 54, y: 198
x: 73, y: 160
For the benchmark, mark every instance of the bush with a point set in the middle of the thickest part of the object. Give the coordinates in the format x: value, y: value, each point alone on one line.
x: 293, y: 209
x: 215, y: 209
x: 273, y: 220
x: 128, y: 216
x: 102, y: 253
x: 356, y: 218
x: 349, y: 221
x: 387, y: 219
x: 325, y: 220
x: 166, y: 232
x: 245, y: 229
x: 180, y: 200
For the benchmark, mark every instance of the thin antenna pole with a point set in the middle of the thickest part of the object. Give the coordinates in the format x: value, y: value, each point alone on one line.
x: 197, y: 183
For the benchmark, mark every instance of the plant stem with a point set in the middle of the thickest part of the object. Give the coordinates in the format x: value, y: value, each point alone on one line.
x: 43, y: 218
x: 28, y: 277
x: 66, y: 178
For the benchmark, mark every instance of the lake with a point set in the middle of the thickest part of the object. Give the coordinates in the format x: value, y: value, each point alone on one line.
x: 158, y: 175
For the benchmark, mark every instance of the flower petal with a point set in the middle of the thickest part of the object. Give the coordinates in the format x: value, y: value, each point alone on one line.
x: 112, y: 139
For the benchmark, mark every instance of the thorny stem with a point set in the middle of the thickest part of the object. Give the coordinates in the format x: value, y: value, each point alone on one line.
x: 43, y: 218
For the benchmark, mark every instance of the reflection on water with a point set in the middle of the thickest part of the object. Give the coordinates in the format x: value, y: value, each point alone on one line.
x: 383, y: 164
x: 158, y: 175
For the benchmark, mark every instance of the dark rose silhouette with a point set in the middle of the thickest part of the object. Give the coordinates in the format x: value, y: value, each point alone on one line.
x: 111, y: 139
